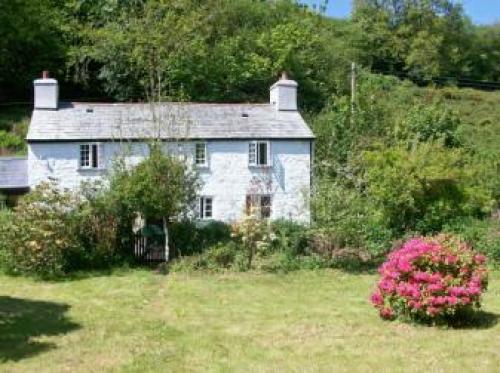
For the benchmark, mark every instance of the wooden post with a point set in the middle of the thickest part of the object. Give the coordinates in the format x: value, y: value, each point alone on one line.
x: 353, y: 92
x: 167, y: 248
x: 353, y: 86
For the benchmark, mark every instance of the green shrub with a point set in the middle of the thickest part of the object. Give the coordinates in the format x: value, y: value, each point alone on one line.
x: 104, y: 232
x: 483, y: 235
x: 345, y: 217
x: 282, y: 262
x: 289, y: 237
x: 190, y: 238
x: 220, y: 256
x: 41, y: 237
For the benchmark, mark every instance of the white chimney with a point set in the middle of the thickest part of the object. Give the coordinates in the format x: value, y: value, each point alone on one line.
x: 46, y: 92
x: 283, y: 94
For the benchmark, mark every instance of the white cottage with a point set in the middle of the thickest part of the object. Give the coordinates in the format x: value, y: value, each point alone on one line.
x: 257, y: 154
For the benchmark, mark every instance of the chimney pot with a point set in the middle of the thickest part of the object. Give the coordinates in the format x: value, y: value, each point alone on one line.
x: 284, y: 75
x: 45, y: 74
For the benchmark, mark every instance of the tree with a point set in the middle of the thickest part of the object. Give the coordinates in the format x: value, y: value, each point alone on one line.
x: 160, y: 188
x: 422, y: 38
x: 31, y: 41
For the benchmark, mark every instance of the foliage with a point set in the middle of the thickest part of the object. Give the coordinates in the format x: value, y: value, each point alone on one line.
x: 423, y: 38
x: 425, y: 123
x: 289, y: 237
x: 32, y: 41
x: 13, y: 128
x: 40, y: 239
x: 402, y: 162
x: 177, y: 43
x: 189, y: 238
x: 483, y: 234
x: 431, y: 278
x: 104, y: 230
x: 254, y: 235
x: 160, y: 187
x: 423, y: 188
x: 347, y: 219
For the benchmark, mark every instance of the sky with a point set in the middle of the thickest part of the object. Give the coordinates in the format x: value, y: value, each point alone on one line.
x: 480, y: 11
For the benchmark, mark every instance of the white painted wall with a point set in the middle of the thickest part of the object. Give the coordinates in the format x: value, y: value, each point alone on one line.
x: 228, y: 178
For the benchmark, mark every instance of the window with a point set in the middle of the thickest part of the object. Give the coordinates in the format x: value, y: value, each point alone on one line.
x: 259, y: 205
x: 200, y: 157
x: 89, y: 156
x: 205, y: 208
x: 259, y: 153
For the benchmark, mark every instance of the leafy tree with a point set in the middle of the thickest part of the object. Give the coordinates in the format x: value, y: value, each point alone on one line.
x: 423, y: 38
x: 160, y: 188
x: 31, y: 42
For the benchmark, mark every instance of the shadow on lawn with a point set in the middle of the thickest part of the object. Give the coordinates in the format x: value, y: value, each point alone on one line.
x: 476, y: 320
x: 23, y: 319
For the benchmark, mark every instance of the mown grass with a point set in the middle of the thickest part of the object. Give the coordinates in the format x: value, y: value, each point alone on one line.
x: 136, y: 320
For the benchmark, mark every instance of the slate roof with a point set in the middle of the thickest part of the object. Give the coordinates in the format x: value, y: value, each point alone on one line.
x: 90, y: 121
x: 13, y: 173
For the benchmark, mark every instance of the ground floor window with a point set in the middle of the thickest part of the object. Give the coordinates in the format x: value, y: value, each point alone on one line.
x: 205, y: 208
x: 89, y: 156
x: 259, y: 205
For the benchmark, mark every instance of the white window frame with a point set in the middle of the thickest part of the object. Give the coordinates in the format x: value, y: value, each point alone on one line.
x: 91, y: 158
x: 255, y: 207
x: 253, y: 153
x: 202, y: 208
x: 205, y: 155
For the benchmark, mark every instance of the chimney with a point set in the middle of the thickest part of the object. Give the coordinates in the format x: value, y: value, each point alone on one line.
x: 283, y: 94
x: 46, y: 92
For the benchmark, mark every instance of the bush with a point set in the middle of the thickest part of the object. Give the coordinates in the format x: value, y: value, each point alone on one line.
x: 104, y: 231
x: 289, y: 237
x: 220, y: 256
x: 254, y: 236
x: 344, y: 218
x: 483, y: 234
x: 41, y: 236
x: 190, y: 238
x: 433, y: 279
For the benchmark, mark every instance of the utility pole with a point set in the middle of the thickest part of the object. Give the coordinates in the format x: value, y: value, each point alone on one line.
x: 353, y: 91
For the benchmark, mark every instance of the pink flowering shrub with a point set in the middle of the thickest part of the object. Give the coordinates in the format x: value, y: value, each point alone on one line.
x: 430, y: 278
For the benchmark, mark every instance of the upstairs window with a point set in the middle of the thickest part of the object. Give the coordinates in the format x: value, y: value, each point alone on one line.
x: 89, y: 156
x: 259, y: 153
x: 200, y: 156
x: 205, y: 208
x: 258, y: 205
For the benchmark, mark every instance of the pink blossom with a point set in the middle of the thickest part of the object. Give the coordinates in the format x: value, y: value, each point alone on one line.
x: 474, y: 290
x: 377, y: 299
x: 436, y: 287
x: 386, y: 313
x: 452, y: 300
x: 421, y: 276
x: 432, y: 311
x: 479, y: 259
x: 387, y: 285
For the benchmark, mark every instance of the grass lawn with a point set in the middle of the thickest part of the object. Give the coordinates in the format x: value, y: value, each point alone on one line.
x: 137, y: 320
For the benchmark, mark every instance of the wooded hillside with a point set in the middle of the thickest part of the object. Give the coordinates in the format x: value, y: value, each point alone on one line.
x: 415, y: 153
